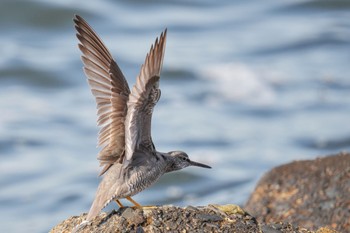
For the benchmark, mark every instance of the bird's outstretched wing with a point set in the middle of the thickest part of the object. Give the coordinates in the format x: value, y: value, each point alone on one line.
x: 142, y: 99
x: 111, y: 91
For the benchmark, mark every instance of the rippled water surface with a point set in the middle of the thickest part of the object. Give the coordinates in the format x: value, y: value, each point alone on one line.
x: 246, y: 85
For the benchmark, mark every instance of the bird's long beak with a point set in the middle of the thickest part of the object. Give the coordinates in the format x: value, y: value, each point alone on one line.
x: 199, y: 164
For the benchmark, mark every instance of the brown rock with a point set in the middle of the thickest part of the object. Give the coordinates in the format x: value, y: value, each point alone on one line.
x: 312, y: 194
x: 212, y: 218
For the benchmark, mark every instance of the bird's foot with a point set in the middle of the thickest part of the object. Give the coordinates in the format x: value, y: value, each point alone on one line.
x: 146, y: 207
x: 149, y: 207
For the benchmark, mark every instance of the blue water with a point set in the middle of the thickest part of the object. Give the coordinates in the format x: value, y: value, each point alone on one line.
x: 246, y: 85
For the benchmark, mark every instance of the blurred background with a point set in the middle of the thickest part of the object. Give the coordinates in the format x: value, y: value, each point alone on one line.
x: 246, y: 86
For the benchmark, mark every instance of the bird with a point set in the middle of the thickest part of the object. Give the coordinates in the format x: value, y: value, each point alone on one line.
x: 128, y: 156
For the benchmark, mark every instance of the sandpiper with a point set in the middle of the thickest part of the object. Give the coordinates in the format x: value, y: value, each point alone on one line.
x: 128, y: 156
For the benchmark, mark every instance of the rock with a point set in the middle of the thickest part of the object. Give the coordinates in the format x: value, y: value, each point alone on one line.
x: 212, y: 218
x: 312, y: 194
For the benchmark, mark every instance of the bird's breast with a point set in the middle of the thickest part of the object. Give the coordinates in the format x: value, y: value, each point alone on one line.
x: 142, y: 177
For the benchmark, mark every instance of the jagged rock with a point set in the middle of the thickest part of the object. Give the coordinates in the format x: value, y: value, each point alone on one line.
x: 312, y: 194
x: 212, y: 218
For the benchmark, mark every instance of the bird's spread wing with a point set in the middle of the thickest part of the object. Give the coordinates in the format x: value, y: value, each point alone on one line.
x: 144, y: 96
x: 110, y: 89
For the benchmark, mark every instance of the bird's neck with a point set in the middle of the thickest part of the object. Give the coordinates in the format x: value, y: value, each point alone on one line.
x: 168, y: 160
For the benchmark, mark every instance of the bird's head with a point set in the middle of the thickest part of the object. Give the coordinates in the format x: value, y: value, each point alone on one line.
x: 181, y: 160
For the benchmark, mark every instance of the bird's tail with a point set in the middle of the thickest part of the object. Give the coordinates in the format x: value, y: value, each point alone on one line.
x: 99, y: 203
x: 104, y: 195
x: 110, y: 188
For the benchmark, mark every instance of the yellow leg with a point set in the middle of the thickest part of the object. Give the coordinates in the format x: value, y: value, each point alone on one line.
x: 119, y: 203
x: 133, y: 202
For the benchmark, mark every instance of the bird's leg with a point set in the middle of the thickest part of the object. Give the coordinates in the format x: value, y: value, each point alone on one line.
x: 119, y: 203
x: 133, y: 202
x: 137, y: 205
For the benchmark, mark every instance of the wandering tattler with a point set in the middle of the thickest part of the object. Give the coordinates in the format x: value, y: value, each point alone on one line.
x: 128, y: 156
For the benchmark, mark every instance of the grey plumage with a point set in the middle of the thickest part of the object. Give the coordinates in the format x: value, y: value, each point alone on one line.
x: 128, y: 156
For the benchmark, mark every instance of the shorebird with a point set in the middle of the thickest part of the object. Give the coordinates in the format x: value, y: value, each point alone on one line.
x: 128, y: 156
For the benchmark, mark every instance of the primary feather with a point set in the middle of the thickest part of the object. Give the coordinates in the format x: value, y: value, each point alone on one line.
x: 124, y: 117
x: 111, y: 92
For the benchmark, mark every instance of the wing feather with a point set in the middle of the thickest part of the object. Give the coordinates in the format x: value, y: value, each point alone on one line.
x: 142, y: 99
x: 111, y: 92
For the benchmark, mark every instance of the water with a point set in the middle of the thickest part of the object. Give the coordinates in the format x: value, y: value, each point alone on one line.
x: 246, y: 85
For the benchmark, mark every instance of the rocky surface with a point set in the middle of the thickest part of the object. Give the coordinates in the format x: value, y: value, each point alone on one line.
x: 211, y: 218
x: 311, y: 194
x: 301, y: 197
